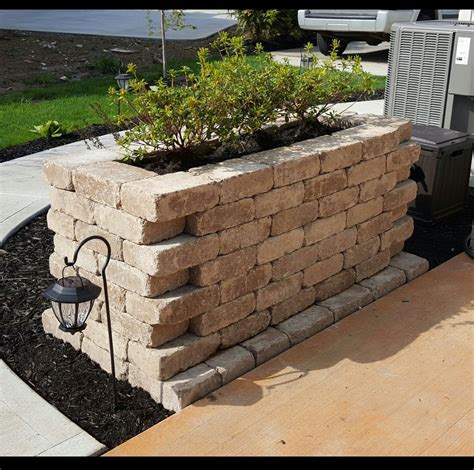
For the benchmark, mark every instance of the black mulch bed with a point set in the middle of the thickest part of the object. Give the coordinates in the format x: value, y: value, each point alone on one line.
x: 72, y: 382
x: 64, y: 377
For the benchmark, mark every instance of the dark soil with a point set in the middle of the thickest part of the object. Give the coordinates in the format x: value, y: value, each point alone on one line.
x: 64, y: 377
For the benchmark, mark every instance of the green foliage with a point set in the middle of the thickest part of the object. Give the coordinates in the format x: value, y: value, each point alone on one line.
x: 106, y: 65
x: 42, y: 78
x: 49, y: 129
x: 230, y: 99
x: 269, y: 24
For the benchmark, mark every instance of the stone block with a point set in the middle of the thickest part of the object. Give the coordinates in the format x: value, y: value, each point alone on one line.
x: 398, y: 213
x: 83, y: 230
x: 403, y: 193
x: 373, y: 227
x: 295, y: 217
x: 238, y: 286
x: 361, y: 252
x: 224, y: 267
x: 51, y: 326
x: 232, y: 363
x: 348, y: 301
x: 280, y: 245
x: 71, y: 204
x: 324, y: 228
x: 378, y: 186
x: 338, y: 152
x: 276, y: 292
x: 223, y: 315
x: 335, y: 284
x: 170, y: 196
x: 86, y: 258
x: 294, y: 262
x: 366, y: 170
x: 412, y: 265
x: 403, y: 173
x: 102, y: 181
x: 267, y: 344
x: 221, y: 217
x: 244, y: 329
x: 401, y: 230
x: 169, y: 256
x: 278, y: 200
x: 293, y: 305
x: 324, y: 185
x: 102, y: 357
x: 322, y: 270
x: 98, y: 333
x: 173, y: 307
x: 407, y: 154
x: 249, y: 234
x: 384, y: 281
x: 238, y: 178
x: 135, y: 229
x: 364, y: 211
x: 338, y: 202
x: 138, y: 378
x: 306, y: 324
x: 189, y: 386
x: 396, y: 248
x: 173, y: 357
x: 61, y: 223
x: 372, y: 265
x: 337, y: 243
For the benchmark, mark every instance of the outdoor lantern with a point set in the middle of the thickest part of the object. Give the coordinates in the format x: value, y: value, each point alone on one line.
x: 123, y: 80
x: 72, y: 299
x: 306, y: 60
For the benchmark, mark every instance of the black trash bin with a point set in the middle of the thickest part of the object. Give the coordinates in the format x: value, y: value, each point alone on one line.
x: 446, y: 162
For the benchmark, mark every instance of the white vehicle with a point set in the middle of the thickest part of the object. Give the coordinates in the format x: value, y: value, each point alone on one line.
x: 372, y: 26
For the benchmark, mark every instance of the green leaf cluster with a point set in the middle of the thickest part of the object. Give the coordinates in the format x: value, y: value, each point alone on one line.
x: 49, y: 129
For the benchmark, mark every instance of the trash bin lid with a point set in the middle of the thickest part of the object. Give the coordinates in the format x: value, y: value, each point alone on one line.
x: 432, y: 136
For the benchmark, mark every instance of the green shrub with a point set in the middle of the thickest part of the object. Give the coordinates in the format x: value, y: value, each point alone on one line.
x: 105, y: 65
x: 230, y: 99
x: 49, y: 129
x: 42, y: 78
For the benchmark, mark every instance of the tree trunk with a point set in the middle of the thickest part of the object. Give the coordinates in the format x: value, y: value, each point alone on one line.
x: 163, y: 51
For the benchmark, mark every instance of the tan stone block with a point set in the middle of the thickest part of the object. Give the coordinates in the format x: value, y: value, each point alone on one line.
x: 98, y: 333
x: 412, y: 265
x: 407, y: 154
x: 373, y: 227
x: 170, y: 196
x: 396, y: 248
x: 142, y: 283
x: 335, y: 284
x: 61, y: 223
x: 324, y: 185
x: 337, y: 243
x: 58, y: 175
x: 51, y: 326
x: 323, y: 228
x: 83, y: 230
x: 223, y: 315
x: 376, y: 140
x: 403, y: 173
x: 221, y: 217
x: 294, y: 262
x: 224, y: 267
x: 278, y: 200
x: 384, y: 282
x: 267, y: 344
x: 306, y: 324
x: 102, y: 357
x: 364, y: 211
x: 372, y: 265
x: 322, y: 270
x: 295, y: 217
x: 398, y: 213
x: 293, y: 305
x: 404, y: 126
x: 403, y: 193
x: 338, y: 152
x: 238, y: 286
x: 189, y: 386
x: 135, y: 229
x: 276, y: 247
x: 173, y: 357
x: 244, y: 329
x: 173, y: 307
x: 378, y: 186
x: 138, y: 378
x: 170, y: 256
x: 239, y: 178
x: 86, y: 258
x: 244, y: 235
x: 291, y: 163
x: 365, y: 171
x: 338, y: 202
x: 56, y: 265
x: 276, y: 292
x: 402, y: 229
x: 361, y: 252
x: 232, y: 363
x: 101, y: 182
x: 71, y: 204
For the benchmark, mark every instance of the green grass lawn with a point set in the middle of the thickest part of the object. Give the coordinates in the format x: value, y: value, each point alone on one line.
x: 68, y: 103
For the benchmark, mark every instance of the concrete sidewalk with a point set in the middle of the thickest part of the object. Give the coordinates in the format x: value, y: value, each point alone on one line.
x: 32, y: 427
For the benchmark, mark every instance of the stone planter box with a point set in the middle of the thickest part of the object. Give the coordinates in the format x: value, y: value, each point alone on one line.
x: 211, y: 268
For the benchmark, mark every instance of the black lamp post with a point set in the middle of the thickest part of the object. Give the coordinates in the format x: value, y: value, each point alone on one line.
x: 72, y: 299
x: 123, y: 82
